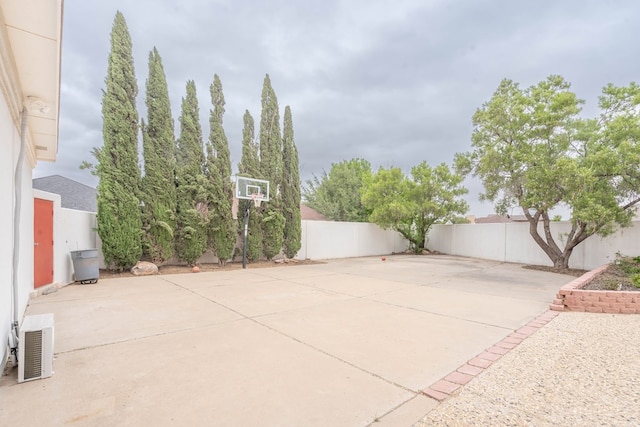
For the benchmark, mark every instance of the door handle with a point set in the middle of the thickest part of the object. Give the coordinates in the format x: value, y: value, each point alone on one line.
x: 36, y: 244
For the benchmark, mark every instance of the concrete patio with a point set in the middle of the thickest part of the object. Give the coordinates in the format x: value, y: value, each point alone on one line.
x: 346, y: 343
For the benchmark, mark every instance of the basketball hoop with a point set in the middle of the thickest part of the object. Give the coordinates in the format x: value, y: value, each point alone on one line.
x: 257, y: 199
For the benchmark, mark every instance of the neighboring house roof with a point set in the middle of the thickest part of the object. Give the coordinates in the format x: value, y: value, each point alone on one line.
x: 493, y: 219
x: 309, y: 213
x: 73, y: 194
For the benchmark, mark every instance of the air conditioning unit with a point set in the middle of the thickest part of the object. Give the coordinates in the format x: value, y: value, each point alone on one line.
x: 35, y: 349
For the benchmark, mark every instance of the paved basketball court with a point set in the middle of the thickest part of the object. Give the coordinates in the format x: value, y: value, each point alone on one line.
x: 345, y: 343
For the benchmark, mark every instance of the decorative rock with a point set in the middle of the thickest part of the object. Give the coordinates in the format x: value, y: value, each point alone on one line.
x: 279, y: 261
x: 144, y: 268
x: 50, y: 289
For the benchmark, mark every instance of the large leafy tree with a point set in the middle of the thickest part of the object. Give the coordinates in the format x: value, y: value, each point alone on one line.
x: 338, y: 194
x: 271, y: 167
x: 533, y: 151
x: 412, y: 205
x: 250, y: 166
x: 118, y: 219
x: 290, y: 189
x: 191, y: 184
x: 221, y: 227
x: 158, y: 184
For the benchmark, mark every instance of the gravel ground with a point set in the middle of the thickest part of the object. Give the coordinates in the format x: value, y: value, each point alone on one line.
x: 581, y: 369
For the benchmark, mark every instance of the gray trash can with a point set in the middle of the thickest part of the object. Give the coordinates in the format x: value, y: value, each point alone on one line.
x: 85, y: 266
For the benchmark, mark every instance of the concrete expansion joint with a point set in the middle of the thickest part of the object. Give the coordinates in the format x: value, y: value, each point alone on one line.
x: 444, y: 315
x: 451, y: 383
x: 256, y: 321
x: 191, y: 291
x: 333, y: 356
x: 178, y: 331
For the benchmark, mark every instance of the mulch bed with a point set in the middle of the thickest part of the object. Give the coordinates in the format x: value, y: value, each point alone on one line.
x: 612, y: 279
x: 184, y: 269
x: 570, y: 271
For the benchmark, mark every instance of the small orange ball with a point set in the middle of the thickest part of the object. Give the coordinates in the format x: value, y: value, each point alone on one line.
x: 384, y: 258
x: 195, y: 269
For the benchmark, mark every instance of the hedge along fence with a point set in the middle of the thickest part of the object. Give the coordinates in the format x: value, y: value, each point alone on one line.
x: 330, y: 240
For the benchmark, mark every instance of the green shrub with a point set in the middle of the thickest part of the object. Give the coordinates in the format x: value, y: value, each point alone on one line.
x: 629, y: 265
x: 635, y: 280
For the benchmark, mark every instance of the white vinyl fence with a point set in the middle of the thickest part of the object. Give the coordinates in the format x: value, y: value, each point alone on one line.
x: 331, y: 239
x: 511, y: 242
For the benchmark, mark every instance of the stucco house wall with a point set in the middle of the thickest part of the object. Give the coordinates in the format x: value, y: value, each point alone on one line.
x: 30, y: 42
x: 10, y: 140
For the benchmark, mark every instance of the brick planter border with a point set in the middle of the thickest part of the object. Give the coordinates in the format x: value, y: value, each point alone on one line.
x: 571, y: 297
x: 451, y: 383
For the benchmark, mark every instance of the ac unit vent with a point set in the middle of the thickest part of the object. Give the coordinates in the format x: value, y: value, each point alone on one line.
x: 35, y: 350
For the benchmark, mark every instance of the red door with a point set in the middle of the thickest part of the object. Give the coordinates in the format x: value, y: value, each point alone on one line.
x: 42, y: 242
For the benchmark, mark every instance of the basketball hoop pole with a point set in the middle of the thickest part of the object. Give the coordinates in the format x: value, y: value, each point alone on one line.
x: 256, y: 199
x: 247, y: 205
x: 251, y: 190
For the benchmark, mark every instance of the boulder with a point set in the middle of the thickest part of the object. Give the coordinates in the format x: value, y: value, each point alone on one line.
x: 144, y: 268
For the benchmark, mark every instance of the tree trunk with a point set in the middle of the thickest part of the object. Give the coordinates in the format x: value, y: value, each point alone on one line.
x: 562, y: 262
x: 559, y: 257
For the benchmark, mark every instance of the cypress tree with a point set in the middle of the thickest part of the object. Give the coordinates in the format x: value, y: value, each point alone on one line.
x: 250, y: 166
x: 290, y: 189
x: 191, y: 184
x: 271, y: 168
x: 221, y: 227
x: 158, y: 183
x: 118, y: 220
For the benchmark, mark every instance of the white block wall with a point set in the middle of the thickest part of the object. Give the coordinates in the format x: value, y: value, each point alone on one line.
x: 72, y: 230
x: 331, y: 239
x: 511, y: 242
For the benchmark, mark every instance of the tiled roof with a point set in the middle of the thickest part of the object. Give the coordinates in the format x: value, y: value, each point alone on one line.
x: 73, y: 194
x: 492, y: 219
x: 309, y: 213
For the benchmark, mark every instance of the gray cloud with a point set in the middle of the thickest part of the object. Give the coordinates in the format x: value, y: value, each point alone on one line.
x: 395, y: 83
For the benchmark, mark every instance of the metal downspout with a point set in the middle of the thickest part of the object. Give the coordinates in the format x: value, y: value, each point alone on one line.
x: 13, y: 336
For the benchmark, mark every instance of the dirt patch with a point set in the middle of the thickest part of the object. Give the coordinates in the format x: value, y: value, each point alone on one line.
x: 570, y: 271
x: 614, y: 278
x: 184, y: 269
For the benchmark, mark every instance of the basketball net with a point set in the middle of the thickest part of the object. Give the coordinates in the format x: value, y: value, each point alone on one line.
x: 257, y: 199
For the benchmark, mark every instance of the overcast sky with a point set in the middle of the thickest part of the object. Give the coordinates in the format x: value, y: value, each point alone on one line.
x: 393, y: 82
